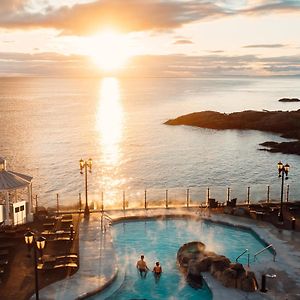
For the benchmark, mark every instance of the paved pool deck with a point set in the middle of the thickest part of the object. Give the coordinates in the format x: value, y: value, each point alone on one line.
x: 98, y: 264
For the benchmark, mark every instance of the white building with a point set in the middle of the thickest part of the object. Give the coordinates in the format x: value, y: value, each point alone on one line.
x: 15, y: 197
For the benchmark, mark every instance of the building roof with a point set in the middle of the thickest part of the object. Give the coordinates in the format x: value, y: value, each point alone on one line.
x: 11, y: 180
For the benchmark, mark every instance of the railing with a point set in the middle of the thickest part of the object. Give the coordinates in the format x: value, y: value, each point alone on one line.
x: 167, y: 198
x: 105, y: 221
x: 264, y: 249
x: 107, y: 217
x: 248, y: 257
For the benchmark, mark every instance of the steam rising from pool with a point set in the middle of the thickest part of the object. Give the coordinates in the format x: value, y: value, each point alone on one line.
x: 159, y: 240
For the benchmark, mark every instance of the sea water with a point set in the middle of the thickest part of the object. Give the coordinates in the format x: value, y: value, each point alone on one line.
x: 48, y: 124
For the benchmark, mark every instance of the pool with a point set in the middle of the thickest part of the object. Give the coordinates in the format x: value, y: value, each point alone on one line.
x: 159, y: 240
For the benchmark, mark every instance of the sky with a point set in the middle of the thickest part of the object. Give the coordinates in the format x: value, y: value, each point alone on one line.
x: 156, y: 38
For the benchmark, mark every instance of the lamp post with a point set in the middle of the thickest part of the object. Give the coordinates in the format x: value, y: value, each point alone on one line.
x: 283, y: 171
x: 84, y: 164
x: 39, y: 244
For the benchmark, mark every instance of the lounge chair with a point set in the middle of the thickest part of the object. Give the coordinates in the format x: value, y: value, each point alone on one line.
x: 232, y: 202
x: 212, y: 203
x: 4, y: 252
x: 6, y: 245
x: 51, y: 266
x: 66, y: 265
x: 70, y: 255
x: 3, y: 262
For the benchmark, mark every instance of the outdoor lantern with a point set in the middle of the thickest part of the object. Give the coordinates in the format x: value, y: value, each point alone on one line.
x: 90, y: 162
x: 28, y: 237
x: 85, y: 164
x: 286, y: 168
x: 283, y: 171
x: 2, y: 164
x: 81, y: 165
x: 40, y: 243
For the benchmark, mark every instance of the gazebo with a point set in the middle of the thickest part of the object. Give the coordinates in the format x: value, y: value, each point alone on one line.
x: 14, y: 209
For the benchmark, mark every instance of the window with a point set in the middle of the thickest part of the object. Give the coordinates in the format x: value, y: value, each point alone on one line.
x: 17, y: 209
x: 21, y: 207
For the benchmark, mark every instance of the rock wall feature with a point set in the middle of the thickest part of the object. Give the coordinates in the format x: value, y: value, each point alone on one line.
x: 193, y: 259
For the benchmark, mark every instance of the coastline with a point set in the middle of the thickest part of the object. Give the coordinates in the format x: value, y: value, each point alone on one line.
x: 284, y: 123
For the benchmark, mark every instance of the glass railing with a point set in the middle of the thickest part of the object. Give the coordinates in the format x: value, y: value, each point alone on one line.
x: 169, y: 197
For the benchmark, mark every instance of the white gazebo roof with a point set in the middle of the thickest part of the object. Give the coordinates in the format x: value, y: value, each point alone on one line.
x: 10, y: 180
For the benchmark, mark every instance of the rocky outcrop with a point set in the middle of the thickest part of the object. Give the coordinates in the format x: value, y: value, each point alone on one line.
x: 289, y: 100
x: 285, y: 123
x: 193, y: 260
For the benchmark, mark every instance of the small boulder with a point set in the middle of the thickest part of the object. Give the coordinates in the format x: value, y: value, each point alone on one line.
x: 184, y: 258
x: 195, y: 281
x: 189, y: 251
x: 238, y: 268
x: 219, y: 264
x: 249, y: 283
x: 228, y: 278
x: 202, y: 265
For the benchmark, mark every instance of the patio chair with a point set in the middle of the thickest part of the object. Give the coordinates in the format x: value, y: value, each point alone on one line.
x: 3, y: 262
x: 212, y: 203
x: 66, y: 265
x: 4, y: 252
x: 232, y: 202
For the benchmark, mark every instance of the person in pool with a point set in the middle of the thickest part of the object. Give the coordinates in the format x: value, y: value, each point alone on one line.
x: 157, y: 270
x: 142, y: 266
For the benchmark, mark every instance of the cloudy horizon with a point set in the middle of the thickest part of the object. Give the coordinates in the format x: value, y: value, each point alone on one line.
x: 186, y: 38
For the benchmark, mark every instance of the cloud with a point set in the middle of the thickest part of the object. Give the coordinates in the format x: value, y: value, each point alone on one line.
x: 44, y: 64
x: 129, y: 15
x: 277, y: 6
x: 283, y: 69
x: 265, y: 46
x: 55, y: 64
x: 9, y: 6
x: 44, y: 56
x: 182, y: 42
x: 216, y: 51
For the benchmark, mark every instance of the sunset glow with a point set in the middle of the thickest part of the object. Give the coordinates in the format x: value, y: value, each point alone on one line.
x: 119, y: 116
x: 149, y: 38
x: 108, y: 50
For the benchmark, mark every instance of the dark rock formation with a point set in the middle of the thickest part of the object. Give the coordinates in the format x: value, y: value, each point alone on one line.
x: 193, y: 260
x: 285, y: 123
x: 289, y: 100
x: 194, y: 276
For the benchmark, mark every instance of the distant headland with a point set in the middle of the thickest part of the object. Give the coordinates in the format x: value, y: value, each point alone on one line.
x: 285, y: 123
x: 289, y: 100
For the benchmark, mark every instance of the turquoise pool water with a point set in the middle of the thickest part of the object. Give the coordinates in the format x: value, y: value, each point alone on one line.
x: 159, y: 240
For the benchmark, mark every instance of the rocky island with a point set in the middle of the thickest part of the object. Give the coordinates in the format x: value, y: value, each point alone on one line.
x: 285, y: 123
x: 289, y: 100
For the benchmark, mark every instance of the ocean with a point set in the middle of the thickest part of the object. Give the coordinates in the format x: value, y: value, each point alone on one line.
x: 49, y: 124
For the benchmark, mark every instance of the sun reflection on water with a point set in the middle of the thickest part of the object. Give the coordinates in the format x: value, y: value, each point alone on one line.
x: 109, y: 120
x: 110, y: 128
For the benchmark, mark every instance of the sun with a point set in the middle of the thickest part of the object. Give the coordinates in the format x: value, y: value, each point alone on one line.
x: 109, y: 50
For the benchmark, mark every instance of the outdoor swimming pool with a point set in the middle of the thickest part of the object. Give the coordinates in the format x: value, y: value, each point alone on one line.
x: 159, y: 240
